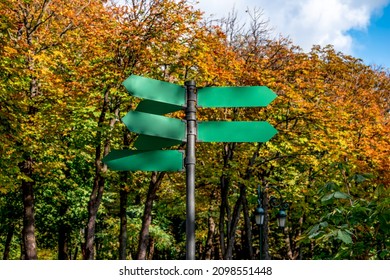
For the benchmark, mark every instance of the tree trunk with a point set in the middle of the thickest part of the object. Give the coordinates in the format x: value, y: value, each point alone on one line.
x: 288, y: 242
x: 293, y: 249
x: 225, y: 212
x: 99, y: 180
x: 29, y: 247
x: 151, y: 249
x: 233, y: 219
x: 28, y: 232
x: 63, y: 235
x: 247, y: 220
x: 210, y: 237
x: 231, y: 230
x: 217, y: 249
x: 124, y: 193
x: 247, y: 245
x: 143, y: 242
x: 93, y: 207
x: 76, y: 251
x: 63, y: 239
x: 31, y: 16
x: 8, y: 240
x: 29, y: 242
x: 223, y: 209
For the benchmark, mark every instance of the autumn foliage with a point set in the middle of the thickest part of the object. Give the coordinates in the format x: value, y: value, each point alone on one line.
x: 62, y: 64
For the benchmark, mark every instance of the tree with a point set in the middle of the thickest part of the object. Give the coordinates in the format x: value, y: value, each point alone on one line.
x: 36, y: 30
x: 61, y: 69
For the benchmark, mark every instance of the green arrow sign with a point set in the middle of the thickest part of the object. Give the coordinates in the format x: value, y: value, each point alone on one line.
x: 127, y: 160
x: 235, y: 96
x: 237, y: 131
x: 155, y: 90
x: 155, y: 125
x: 157, y: 108
x: 146, y: 142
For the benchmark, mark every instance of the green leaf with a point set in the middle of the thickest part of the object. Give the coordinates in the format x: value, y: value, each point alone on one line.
x: 330, y: 186
x: 316, y: 234
x: 360, y: 178
x: 314, y: 229
x: 327, y: 197
x: 341, y: 195
x: 324, y: 224
x: 344, y: 236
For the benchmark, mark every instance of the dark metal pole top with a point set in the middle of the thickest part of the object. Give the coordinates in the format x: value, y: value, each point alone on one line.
x: 190, y: 83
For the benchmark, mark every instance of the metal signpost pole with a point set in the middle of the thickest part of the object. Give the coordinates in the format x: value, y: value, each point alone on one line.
x: 158, y: 131
x: 190, y: 168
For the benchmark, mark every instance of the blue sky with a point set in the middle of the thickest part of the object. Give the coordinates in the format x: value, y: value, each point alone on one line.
x: 360, y: 28
x: 373, y: 45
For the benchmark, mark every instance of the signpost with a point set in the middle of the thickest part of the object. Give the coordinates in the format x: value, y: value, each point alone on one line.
x: 129, y: 160
x: 155, y: 90
x: 158, y: 131
x: 146, y: 142
x: 190, y: 161
x: 155, y: 125
x: 236, y: 131
x: 157, y: 108
x: 216, y: 97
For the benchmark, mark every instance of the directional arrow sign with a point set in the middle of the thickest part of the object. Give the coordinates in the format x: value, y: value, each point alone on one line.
x: 236, y: 131
x: 155, y: 125
x: 155, y: 90
x: 146, y: 142
x: 157, y: 108
x: 235, y: 96
x: 127, y: 160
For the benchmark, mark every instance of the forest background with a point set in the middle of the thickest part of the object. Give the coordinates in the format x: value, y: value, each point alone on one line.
x: 62, y: 64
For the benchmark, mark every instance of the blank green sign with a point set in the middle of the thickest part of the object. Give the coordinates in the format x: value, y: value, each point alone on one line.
x: 255, y: 96
x: 127, y: 160
x: 157, y: 108
x: 154, y: 125
x: 238, y: 131
x: 146, y: 142
x: 155, y: 90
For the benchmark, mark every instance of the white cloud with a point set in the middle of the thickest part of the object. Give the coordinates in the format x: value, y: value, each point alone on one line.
x: 308, y: 22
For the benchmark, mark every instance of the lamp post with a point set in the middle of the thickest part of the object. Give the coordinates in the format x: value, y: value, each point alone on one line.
x: 259, y: 218
x: 274, y: 202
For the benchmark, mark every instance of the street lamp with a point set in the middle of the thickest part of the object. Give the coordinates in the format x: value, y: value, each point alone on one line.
x: 259, y: 215
x: 259, y: 218
x: 282, y: 216
x: 274, y: 202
